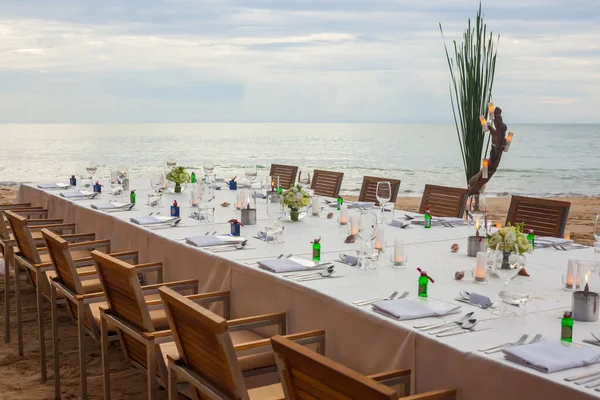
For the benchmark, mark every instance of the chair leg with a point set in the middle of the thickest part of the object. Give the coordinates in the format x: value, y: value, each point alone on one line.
x: 17, y: 269
x: 172, y: 376
x: 55, y: 349
x: 7, y: 263
x: 38, y: 290
x: 105, y: 367
x: 151, y: 369
x: 82, y: 351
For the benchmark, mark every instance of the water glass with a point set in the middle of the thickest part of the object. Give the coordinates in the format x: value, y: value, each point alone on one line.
x: 304, y: 177
x: 274, y: 234
x: 597, y: 229
x: 86, y: 182
x: 91, y: 167
x: 171, y: 163
x: 250, y: 173
x: 367, y: 258
x: 367, y: 226
x: 158, y: 182
x: 208, y: 167
x: 207, y: 214
x: 383, y: 194
x: 155, y: 200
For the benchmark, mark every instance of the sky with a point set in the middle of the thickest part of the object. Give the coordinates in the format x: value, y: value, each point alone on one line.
x: 121, y: 61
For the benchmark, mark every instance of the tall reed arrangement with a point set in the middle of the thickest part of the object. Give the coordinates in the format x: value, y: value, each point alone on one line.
x: 472, y: 67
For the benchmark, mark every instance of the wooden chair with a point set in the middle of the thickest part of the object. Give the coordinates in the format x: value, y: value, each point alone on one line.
x: 546, y: 217
x: 286, y: 173
x: 207, y: 356
x: 368, y: 191
x: 7, y: 244
x: 307, y: 375
x: 444, y: 201
x: 83, y: 305
x: 327, y: 183
x: 36, y: 263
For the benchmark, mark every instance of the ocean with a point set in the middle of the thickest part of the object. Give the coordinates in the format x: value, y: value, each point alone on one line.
x: 544, y: 160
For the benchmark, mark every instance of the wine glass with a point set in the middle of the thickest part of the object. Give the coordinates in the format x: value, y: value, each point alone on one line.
x: 171, y: 162
x: 91, y: 167
x: 383, y: 194
x: 157, y: 181
x: 597, y: 229
x: 209, y: 167
x: 304, y: 177
x: 367, y: 230
x: 251, y: 173
x: 274, y: 206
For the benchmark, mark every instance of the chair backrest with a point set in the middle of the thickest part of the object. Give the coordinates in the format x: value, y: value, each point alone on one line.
x: 286, y: 173
x: 204, y: 345
x: 307, y: 374
x: 368, y: 191
x: 546, y: 217
x: 444, y: 201
x: 23, y: 237
x: 12, y: 206
x: 327, y: 183
x: 58, y: 249
x: 123, y: 291
x: 24, y: 211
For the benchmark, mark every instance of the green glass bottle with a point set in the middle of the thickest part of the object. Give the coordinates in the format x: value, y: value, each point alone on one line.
x: 132, y: 197
x: 340, y: 201
x: 531, y: 238
x: 316, y: 249
x: 423, y: 282
x: 427, y: 218
x: 566, y: 331
x: 193, y: 177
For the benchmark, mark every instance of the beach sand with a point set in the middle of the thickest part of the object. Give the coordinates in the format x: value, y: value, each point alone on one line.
x: 20, y: 379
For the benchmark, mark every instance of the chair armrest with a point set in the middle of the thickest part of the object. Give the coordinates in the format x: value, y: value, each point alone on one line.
x: 86, y: 273
x: 89, y: 245
x: 90, y: 297
x: 302, y: 337
x: 125, y: 255
x: 258, y: 321
x: 79, y: 237
x: 54, y: 227
x: 393, y: 378
x: 48, y: 221
x: 445, y: 394
x: 152, y: 266
x: 208, y: 297
x: 185, y: 284
x: 43, y: 266
x: 157, y: 334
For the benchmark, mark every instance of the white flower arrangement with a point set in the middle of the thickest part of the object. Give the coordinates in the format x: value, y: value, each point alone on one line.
x: 296, y: 197
x: 510, y: 236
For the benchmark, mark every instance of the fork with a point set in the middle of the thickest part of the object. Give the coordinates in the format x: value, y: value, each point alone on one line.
x: 369, y: 301
x: 503, y: 346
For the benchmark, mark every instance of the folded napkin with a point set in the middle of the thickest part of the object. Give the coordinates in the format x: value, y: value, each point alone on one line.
x: 53, y: 185
x: 547, y: 241
x: 552, y: 356
x: 439, y: 221
x: 480, y: 300
x: 152, y: 219
x: 262, y: 235
x: 348, y: 259
x: 278, y: 265
x: 403, y: 309
x: 76, y: 194
x: 205, y: 241
x: 260, y: 195
x: 355, y: 204
x: 400, y: 223
x: 108, y: 206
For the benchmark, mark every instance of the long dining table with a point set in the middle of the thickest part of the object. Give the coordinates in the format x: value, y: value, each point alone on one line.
x: 356, y: 336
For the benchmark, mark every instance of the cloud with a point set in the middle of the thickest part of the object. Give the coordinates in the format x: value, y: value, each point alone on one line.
x: 267, y: 60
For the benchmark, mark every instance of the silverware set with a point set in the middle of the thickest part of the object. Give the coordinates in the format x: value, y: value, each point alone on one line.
x: 311, y: 276
x: 465, y: 324
x: 170, y: 224
x: 439, y: 325
x: 522, y: 341
x: 229, y: 247
x: 568, y: 247
x: 589, y: 379
x: 392, y: 296
x: 464, y: 297
x: 251, y: 262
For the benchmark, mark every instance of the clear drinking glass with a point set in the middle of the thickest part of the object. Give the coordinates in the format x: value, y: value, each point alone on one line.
x: 304, y: 177
x: 171, y: 161
x: 251, y: 173
x: 274, y: 206
x: 209, y: 167
x: 91, y: 167
x: 158, y: 182
x: 597, y: 229
x: 367, y: 230
x: 383, y: 194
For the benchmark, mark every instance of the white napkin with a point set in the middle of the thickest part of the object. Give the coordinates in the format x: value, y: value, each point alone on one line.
x: 398, y: 223
x: 204, y: 241
x: 355, y: 204
x: 53, y: 186
x: 281, y: 265
x: 108, y: 206
x: 152, y: 219
x: 547, y: 241
x: 76, y: 194
x: 439, y: 220
x: 403, y: 309
x: 551, y: 356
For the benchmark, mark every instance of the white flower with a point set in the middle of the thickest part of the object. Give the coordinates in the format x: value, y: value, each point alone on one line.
x: 299, y: 196
x: 510, y: 237
x: 294, y: 189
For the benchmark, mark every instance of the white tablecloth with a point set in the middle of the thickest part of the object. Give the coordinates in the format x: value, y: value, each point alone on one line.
x: 357, y: 337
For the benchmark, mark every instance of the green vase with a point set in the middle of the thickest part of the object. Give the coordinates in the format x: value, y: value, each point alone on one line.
x: 294, y: 214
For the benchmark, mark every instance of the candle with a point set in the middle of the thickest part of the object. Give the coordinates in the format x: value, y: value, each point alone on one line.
x: 567, y: 235
x: 481, y: 267
x: 244, y: 198
x: 477, y: 223
x: 491, y: 109
x: 509, y: 139
x: 570, y: 280
x: 398, y: 251
x: 315, y: 205
x: 380, y: 239
x: 484, y: 168
x: 344, y: 214
x: 354, y: 224
x: 238, y: 200
x: 498, y: 225
x: 194, y: 197
x: 579, y: 273
x: 484, y: 124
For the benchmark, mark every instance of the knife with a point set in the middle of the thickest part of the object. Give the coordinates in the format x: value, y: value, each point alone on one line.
x: 463, y: 331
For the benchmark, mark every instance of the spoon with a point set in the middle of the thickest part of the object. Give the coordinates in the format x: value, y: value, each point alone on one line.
x: 464, y: 324
x: 458, y: 321
x: 370, y: 301
x: 229, y: 247
x: 307, y: 274
x: 325, y: 274
x: 464, y: 294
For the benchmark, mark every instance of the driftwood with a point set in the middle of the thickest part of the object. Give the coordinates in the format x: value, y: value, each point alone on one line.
x: 498, y: 132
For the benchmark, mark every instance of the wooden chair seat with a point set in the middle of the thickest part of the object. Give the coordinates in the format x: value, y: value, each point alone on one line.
x: 270, y: 392
x: 247, y: 363
x: 89, y: 285
x: 159, y: 317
